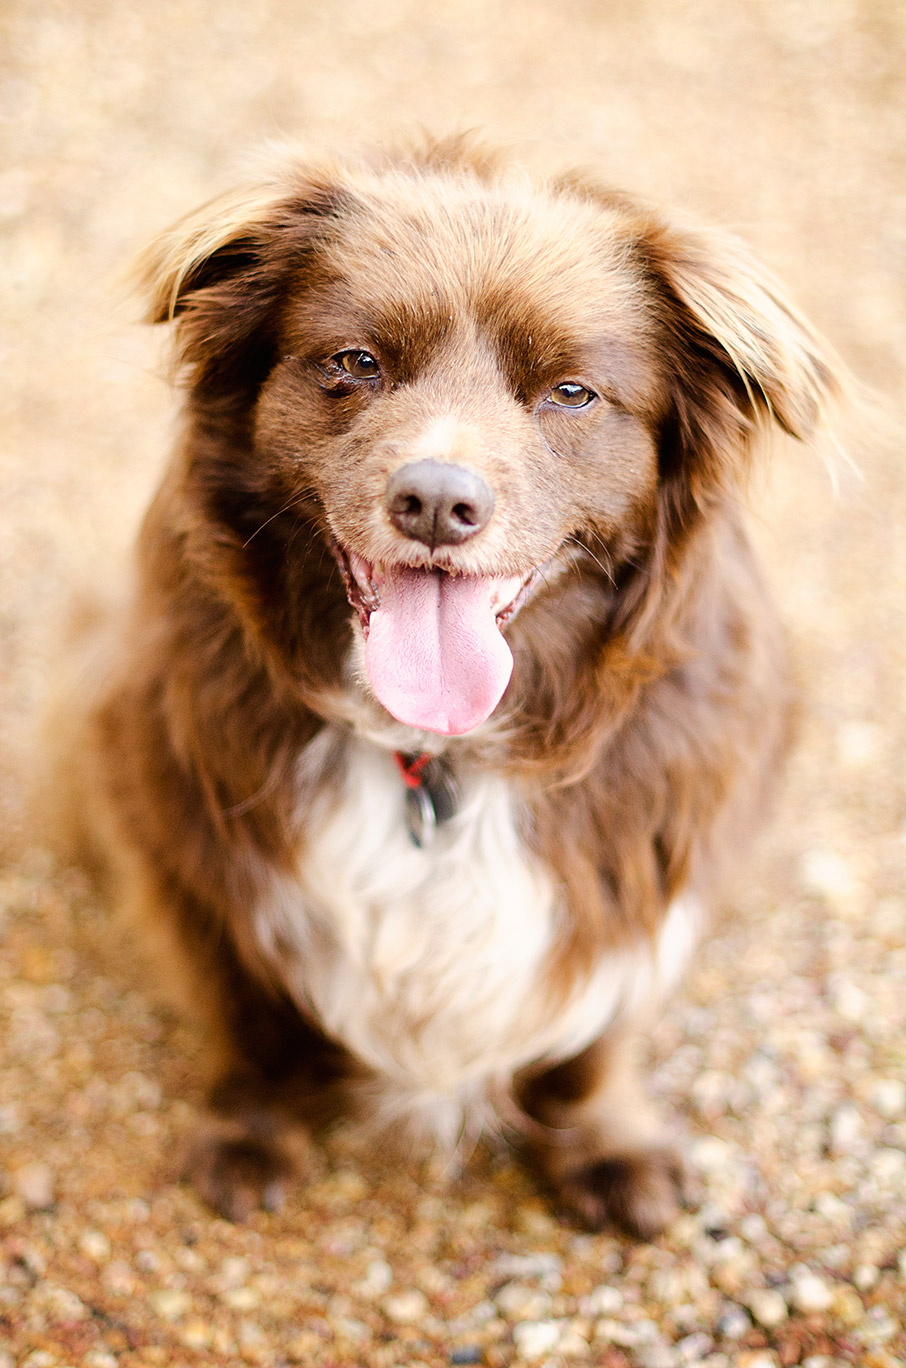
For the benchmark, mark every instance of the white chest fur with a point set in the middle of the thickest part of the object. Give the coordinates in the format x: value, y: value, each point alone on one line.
x: 429, y: 964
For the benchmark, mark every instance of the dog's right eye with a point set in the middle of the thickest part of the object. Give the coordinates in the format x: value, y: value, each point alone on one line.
x: 361, y: 365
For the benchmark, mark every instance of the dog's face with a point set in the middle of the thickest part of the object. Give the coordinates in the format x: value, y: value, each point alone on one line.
x: 471, y: 387
x: 467, y: 384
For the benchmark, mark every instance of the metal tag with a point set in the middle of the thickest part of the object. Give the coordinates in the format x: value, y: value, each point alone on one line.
x: 443, y: 790
x: 421, y: 819
x: 431, y: 802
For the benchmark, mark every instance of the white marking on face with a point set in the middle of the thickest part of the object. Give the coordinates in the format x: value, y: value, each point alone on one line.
x: 439, y: 440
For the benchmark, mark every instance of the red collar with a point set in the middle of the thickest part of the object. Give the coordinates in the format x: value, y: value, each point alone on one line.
x: 412, y: 768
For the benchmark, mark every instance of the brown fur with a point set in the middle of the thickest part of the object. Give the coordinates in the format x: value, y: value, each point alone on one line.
x: 648, y: 702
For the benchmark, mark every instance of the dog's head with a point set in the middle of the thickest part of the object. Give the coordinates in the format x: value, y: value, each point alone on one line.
x: 485, y: 393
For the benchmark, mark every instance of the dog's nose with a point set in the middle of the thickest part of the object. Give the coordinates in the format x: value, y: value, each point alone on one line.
x: 437, y: 503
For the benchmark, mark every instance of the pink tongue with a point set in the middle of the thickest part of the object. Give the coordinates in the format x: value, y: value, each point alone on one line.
x: 435, y: 656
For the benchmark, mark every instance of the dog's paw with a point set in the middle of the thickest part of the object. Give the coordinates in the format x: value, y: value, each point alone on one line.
x: 238, y: 1173
x: 641, y: 1192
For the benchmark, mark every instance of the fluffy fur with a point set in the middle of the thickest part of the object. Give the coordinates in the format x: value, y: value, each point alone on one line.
x: 604, y: 377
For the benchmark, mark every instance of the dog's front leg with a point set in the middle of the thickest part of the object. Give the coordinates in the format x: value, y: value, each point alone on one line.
x: 277, y: 1078
x: 250, y: 1143
x: 599, y: 1142
x: 239, y: 1159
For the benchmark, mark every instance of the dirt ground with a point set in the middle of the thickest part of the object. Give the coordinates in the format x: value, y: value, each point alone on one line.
x: 784, y: 1056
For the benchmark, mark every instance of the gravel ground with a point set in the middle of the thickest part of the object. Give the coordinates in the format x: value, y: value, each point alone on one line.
x: 784, y: 1057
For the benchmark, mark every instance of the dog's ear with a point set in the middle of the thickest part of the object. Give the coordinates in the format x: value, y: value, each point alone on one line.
x: 221, y: 273
x: 741, y: 356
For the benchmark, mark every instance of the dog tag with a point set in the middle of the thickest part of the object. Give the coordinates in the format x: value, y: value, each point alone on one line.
x: 443, y: 791
x: 432, y: 796
x: 421, y: 819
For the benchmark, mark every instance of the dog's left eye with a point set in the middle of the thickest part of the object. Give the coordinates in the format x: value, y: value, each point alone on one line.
x: 571, y: 395
x: 361, y: 365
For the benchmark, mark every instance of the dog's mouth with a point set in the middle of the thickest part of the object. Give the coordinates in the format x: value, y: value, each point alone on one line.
x: 434, y: 650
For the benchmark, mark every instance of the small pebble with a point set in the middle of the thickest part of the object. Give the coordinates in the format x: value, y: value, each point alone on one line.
x: 657, y: 1355
x: 811, y: 1293
x: 547, y: 1268
x: 32, y: 1259
x: 534, y: 1339
x: 349, y: 1184
x: 888, y: 1166
x: 241, y: 1298
x: 12, y: 1211
x: 879, y: 1326
x: 849, y: 1000
x: 170, y: 1303
x: 733, y: 1322
x: 61, y: 1303
x: 847, y: 1306
x: 377, y: 1280
x: 711, y: 1154
x: 119, y: 1278
x: 767, y: 1306
x: 233, y: 1272
x: 888, y: 1097
x: 351, y: 1328
x: 602, y: 1301
x: 197, y: 1334
x: 830, y: 1206
x: 475, y: 1316
x: 34, y: 1183
x: 753, y: 1228
x: 95, y: 1246
x: 846, y: 1129
x: 866, y: 1276
x: 572, y: 1344
x: 406, y: 1308
x: 666, y: 1286
x: 253, y: 1343
x: 468, y: 1354
x: 99, y: 1358
x: 858, y: 743
x: 828, y: 874
x: 519, y: 1302
x: 879, y: 1358
x: 10, y: 1122
x: 627, y: 1334
x: 694, y: 1347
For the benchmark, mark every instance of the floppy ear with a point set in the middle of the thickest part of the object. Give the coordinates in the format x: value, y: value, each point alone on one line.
x: 221, y: 273
x: 742, y: 356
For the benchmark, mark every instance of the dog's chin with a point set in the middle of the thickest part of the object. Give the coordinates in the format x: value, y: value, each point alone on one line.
x: 435, y: 654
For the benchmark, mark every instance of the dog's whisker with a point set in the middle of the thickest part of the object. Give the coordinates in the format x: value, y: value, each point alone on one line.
x: 296, y: 499
x: 605, y: 570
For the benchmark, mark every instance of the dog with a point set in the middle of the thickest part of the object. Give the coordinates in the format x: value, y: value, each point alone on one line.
x: 448, y: 690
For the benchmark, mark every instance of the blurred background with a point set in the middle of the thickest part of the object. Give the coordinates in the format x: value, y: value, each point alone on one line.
x: 784, y: 120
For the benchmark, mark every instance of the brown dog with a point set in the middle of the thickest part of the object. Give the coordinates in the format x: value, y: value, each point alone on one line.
x: 448, y: 684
